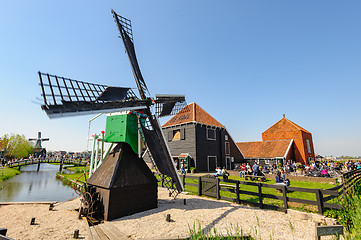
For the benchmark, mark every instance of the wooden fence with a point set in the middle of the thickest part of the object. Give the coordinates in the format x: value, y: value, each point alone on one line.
x: 47, y: 160
x: 216, y: 188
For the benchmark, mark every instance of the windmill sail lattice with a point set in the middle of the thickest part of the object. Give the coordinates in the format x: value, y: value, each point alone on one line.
x: 67, y: 97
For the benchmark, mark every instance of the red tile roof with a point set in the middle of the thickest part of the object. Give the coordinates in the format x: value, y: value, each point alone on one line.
x: 285, y: 125
x: 265, y: 149
x: 192, y: 113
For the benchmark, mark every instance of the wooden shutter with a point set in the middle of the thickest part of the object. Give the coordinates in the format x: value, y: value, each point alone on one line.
x: 182, y: 132
x: 170, y: 135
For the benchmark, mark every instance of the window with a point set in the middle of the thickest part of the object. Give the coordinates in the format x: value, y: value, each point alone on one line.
x: 227, y: 148
x: 211, y: 163
x: 308, y: 146
x: 226, y: 137
x: 176, y: 135
x: 266, y: 161
x: 211, y: 134
x: 257, y: 161
x: 228, y: 163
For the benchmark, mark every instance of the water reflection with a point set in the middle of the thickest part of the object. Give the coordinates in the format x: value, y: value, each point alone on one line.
x: 31, y: 185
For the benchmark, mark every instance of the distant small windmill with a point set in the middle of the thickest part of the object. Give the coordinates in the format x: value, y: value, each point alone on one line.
x: 38, y: 148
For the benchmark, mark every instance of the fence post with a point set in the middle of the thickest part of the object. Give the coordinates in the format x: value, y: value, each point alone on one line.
x: 162, y: 180
x: 319, y: 197
x: 284, y: 191
x: 184, y: 181
x: 199, y: 186
x: 260, y: 195
x: 237, y: 191
x: 218, y: 192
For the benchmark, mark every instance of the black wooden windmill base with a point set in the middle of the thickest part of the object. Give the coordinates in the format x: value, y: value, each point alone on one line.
x: 124, y: 183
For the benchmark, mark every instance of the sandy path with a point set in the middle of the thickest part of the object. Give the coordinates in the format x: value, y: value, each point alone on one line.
x: 209, y: 214
x: 58, y: 224
x: 198, y: 211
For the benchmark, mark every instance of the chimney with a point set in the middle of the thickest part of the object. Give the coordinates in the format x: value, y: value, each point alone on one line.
x: 284, y: 115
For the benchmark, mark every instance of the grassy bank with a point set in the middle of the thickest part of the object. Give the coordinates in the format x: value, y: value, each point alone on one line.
x: 77, y: 174
x: 7, y: 173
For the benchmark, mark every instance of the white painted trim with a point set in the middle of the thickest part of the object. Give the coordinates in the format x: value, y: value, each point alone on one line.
x: 215, y: 134
x: 288, y: 149
x: 208, y: 161
x: 229, y: 135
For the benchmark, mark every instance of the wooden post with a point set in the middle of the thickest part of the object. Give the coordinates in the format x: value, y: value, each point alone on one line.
x: 284, y: 191
x: 199, y: 186
x: 38, y: 167
x: 3, y: 231
x: 19, y: 167
x: 162, y: 180
x: 76, y: 234
x: 260, y: 198
x: 237, y: 191
x: 316, y: 236
x: 184, y: 180
x: 61, y: 167
x: 218, y: 192
x: 319, y: 197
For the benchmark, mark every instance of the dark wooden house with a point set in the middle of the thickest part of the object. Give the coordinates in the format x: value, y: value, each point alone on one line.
x: 192, y: 130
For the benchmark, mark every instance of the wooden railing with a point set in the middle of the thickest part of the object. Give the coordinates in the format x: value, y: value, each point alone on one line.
x: 47, y: 160
x: 216, y: 188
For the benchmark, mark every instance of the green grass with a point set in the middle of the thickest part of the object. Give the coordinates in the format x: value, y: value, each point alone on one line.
x: 77, y: 172
x: 7, y: 173
x: 271, y: 191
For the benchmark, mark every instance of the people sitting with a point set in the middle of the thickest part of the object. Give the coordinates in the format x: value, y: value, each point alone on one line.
x: 243, y: 170
x: 281, y: 180
x: 224, y: 173
x: 218, y: 172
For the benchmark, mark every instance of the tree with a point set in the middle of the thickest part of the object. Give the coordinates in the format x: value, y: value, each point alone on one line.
x: 16, y: 146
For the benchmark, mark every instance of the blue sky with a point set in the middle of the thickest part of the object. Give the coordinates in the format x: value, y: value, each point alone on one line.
x: 244, y: 62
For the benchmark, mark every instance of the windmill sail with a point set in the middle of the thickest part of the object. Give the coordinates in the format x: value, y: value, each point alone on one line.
x: 160, y: 152
x: 67, y: 97
x: 125, y: 30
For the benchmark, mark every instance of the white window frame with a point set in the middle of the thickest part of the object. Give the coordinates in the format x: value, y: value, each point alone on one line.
x: 257, y: 160
x: 215, y: 133
x: 229, y: 148
x: 266, y: 161
x: 226, y: 137
x: 308, y: 145
x: 228, y: 162
x: 208, y: 161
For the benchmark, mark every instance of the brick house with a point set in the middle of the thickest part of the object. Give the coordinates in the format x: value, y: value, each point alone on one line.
x: 267, y: 152
x: 192, y: 130
x: 300, y: 144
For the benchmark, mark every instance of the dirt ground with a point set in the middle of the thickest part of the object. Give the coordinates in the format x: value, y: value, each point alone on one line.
x: 206, y: 214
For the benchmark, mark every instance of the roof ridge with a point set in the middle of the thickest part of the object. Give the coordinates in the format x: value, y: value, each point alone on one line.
x: 193, y: 113
x: 289, y: 121
x: 297, y: 126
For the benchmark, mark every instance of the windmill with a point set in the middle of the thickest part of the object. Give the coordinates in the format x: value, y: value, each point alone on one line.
x: 122, y: 184
x: 38, y: 148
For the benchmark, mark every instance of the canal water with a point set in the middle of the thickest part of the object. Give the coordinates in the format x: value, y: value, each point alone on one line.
x: 31, y: 185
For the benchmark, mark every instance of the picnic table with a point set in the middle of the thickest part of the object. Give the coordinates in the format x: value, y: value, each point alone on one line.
x: 252, y: 178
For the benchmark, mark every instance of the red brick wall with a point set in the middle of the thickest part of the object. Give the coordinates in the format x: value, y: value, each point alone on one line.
x: 284, y: 131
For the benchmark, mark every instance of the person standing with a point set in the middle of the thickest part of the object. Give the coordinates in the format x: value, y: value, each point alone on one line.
x: 255, y: 168
x: 183, y: 170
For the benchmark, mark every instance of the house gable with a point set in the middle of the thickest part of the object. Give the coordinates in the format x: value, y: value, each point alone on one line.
x: 283, y: 125
x: 192, y: 113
